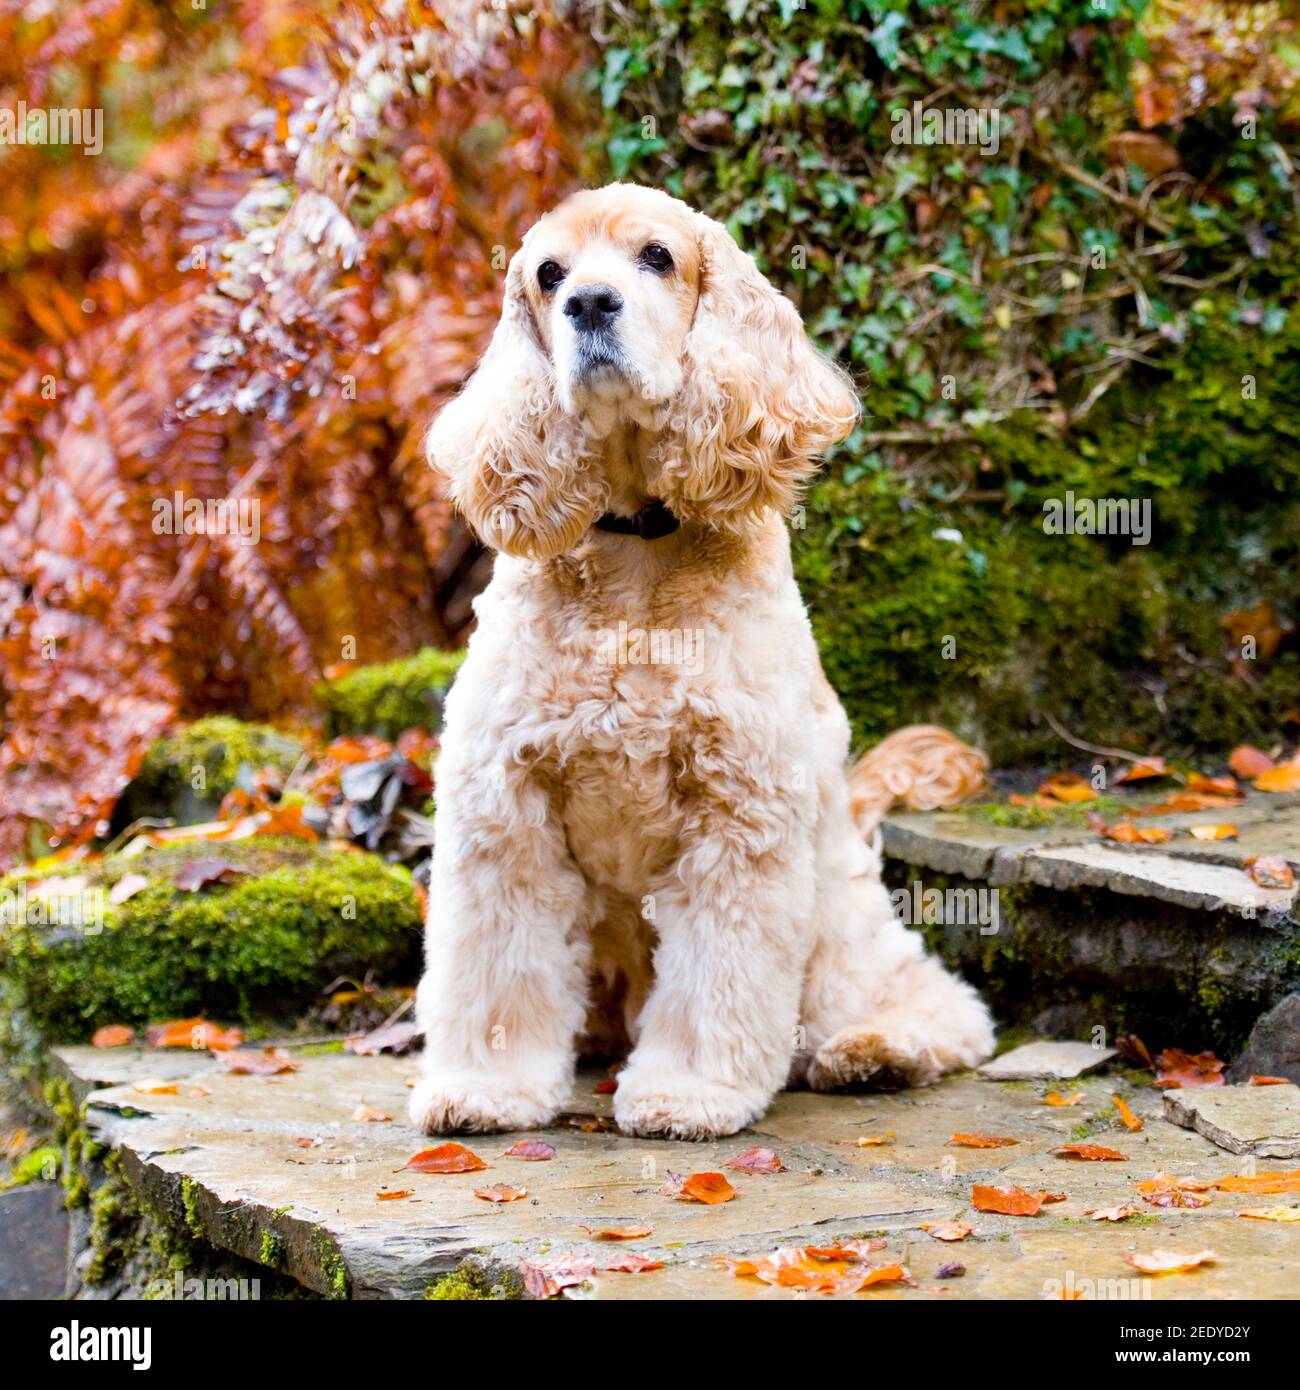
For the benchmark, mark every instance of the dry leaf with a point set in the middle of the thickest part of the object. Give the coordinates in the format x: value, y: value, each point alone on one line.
x: 397, y: 1195
x: 947, y: 1230
x: 534, y: 1150
x: 446, y: 1158
x: 113, y: 1035
x: 981, y: 1141
x: 629, y: 1262
x: 1170, y: 1190
x: 1170, y: 1261
x: 1126, y: 833
x: 1283, y: 1181
x: 370, y: 1114
x: 1272, y: 1213
x: 1181, y: 803
x: 1214, y: 832
x: 1007, y: 1201
x: 757, y: 1161
x: 710, y: 1188
x: 618, y: 1232
x: 1152, y: 154
x: 1270, y: 871
x: 1269, y: 1081
x: 271, y: 1061
x: 126, y: 888
x: 501, y: 1192
x: 195, y: 1033
x: 1176, y: 1068
x: 154, y: 1088
x: 1246, y: 761
x: 1067, y: 787
x: 1131, y: 1121
x: 1139, y: 772
x: 1055, y: 1098
x: 1090, y: 1153
x: 546, y: 1278
x: 874, y: 1141
x: 1285, y: 778
x: 1119, y: 1213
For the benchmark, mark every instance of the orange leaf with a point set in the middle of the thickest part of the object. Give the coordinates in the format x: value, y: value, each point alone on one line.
x: 1169, y: 1261
x: 710, y: 1188
x: 271, y: 1061
x: 546, y: 1278
x: 1131, y: 1121
x: 195, y: 1033
x: 154, y: 1088
x: 618, y: 1232
x: 1054, y: 1098
x: 113, y: 1035
x: 1090, y: 1153
x: 1214, y: 832
x: 1215, y: 786
x: 1280, y: 1181
x: 1280, y: 779
x: 757, y: 1161
x: 947, y: 1230
x: 446, y: 1158
x: 501, y: 1192
x: 370, y: 1114
x: 1170, y: 1190
x: 1246, y: 761
x: 1067, y: 787
x: 1270, y: 871
x: 1139, y: 772
x: 1183, y: 802
x: 872, y: 1141
x: 534, y: 1150
x: 1152, y: 154
x: 1176, y: 1068
x: 981, y: 1141
x: 1155, y: 105
x: 1269, y: 1081
x: 1126, y: 833
x: 1007, y: 1201
x: 1272, y: 1213
x: 397, y: 1195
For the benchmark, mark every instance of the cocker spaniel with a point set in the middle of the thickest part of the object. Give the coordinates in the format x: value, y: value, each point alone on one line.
x: 645, y: 835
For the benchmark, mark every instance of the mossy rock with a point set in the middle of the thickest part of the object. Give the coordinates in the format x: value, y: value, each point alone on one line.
x: 265, y: 942
x: 184, y: 776
x: 387, y: 698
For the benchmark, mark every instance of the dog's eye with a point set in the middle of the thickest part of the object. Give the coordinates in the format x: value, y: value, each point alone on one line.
x: 549, y: 275
x: 657, y: 258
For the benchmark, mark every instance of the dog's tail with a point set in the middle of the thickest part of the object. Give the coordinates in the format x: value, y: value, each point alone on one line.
x: 922, y: 766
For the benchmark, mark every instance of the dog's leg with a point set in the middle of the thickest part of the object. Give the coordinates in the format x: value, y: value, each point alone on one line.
x: 504, y: 990
x: 717, y: 1032
x: 876, y: 1007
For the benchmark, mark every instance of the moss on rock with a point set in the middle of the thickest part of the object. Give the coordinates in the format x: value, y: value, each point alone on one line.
x: 299, y: 916
x: 389, y: 697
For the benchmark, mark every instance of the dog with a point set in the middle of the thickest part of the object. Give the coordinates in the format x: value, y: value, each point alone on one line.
x: 633, y: 848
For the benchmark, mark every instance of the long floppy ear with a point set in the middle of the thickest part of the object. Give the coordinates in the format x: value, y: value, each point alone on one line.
x: 758, y: 402
x: 519, y: 467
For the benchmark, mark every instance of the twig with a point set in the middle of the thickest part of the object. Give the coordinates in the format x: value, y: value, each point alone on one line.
x: 1072, y: 171
x: 1078, y: 743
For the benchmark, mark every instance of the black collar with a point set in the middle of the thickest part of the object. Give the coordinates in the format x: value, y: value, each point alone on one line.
x: 651, y: 522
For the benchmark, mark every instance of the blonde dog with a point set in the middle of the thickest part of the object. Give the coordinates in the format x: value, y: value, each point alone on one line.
x: 645, y: 834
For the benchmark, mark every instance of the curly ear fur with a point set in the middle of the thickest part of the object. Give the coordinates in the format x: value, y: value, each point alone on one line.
x: 758, y: 402
x: 519, y: 467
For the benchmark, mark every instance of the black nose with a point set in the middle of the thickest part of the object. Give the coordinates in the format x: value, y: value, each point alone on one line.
x: 593, y: 307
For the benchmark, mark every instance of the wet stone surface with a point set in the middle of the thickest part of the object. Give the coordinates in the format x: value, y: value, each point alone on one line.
x: 279, y: 1164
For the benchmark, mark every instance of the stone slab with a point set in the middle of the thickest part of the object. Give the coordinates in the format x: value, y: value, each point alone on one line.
x: 33, y: 1242
x: 1273, y: 1048
x: 229, y: 1162
x: 1259, y: 1120
x: 1045, y: 1060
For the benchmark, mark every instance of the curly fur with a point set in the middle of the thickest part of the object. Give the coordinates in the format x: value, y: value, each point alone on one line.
x: 644, y: 852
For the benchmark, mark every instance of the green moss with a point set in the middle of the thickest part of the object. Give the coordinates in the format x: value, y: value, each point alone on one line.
x: 40, y: 1165
x: 205, y: 757
x: 302, y: 915
x: 386, y: 699
x: 272, y: 1249
x: 190, y: 1206
x: 332, y: 1264
x: 469, y: 1283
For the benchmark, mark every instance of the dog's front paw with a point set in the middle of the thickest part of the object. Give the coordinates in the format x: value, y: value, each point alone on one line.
x: 447, y: 1102
x: 678, y: 1105
x: 890, y: 1053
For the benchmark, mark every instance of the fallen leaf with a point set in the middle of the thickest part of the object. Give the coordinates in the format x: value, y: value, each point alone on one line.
x: 1151, y: 153
x: 981, y: 1141
x: 1006, y: 1201
x: 392, y: 1037
x: 629, y: 1262
x: 1270, y: 871
x: 1054, y: 1098
x: 1214, y: 832
x: 1170, y: 1190
x: 618, y: 1232
x: 757, y: 1161
x: 271, y: 1061
x: 1269, y: 1081
x: 710, y: 1188
x: 1285, y: 778
x: 1169, y: 1261
x: 1272, y: 1213
x: 1181, y: 803
x: 873, y: 1141
x: 947, y: 1230
x: 1283, y: 1181
x: 950, y: 1270
x: 546, y: 1278
x: 198, y: 1092
x: 200, y: 872
x: 1131, y: 1121
x: 370, y: 1115
x: 606, y: 1087
x: 1126, y: 833
x: 1090, y: 1153
x: 1067, y: 787
x: 446, y: 1158
x: 113, y: 1035
x: 1119, y: 1213
x: 126, y: 888
x: 534, y: 1150
x: 195, y: 1033
x: 395, y: 1196
x: 1155, y: 105
x: 1139, y: 772
x: 1134, y: 1050
x: 1246, y: 761
x: 306, y: 1141
x: 154, y: 1088
x: 501, y: 1192
x: 1176, y: 1068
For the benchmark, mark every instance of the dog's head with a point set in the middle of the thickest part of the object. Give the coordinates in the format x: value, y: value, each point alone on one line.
x: 625, y: 310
